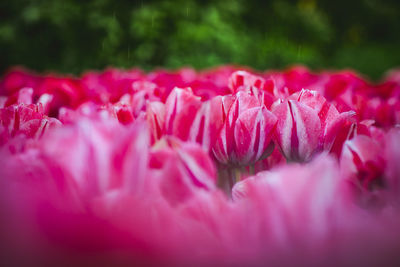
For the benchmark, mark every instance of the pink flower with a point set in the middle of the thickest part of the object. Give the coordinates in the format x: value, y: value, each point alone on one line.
x: 64, y: 92
x: 83, y: 189
x: 143, y: 92
x: 183, y: 169
x: 167, y: 81
x: 180, y: 108
x: 263, y: 89
x: 240, y: 79
x: 304, y: 211
x: 100, y: 156
x: 190, y: 119
x: 294, y: 80
x: 340, y: 86
x: 351, y: 129
x: 363, y: 164
x: 309, y: 197
x: 208, y: 122
x: 307, y: 124
x: 24, y: 119
x: 246, y: 134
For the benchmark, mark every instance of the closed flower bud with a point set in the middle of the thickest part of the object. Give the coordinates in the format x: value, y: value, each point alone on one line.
x: 307, y: 124
x: 247, y: 132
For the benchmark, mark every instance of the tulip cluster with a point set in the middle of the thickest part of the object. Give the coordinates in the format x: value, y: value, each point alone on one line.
x: 226, y: 166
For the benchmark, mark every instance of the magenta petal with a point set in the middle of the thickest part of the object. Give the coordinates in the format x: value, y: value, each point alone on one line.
x: 392, y: 153
x: 253, y: 132
x: 155, y: 112
x: 246, y: 132
x: 184, y: 169
x: 207, y: 123
x: 180, y: 107
x: 298, y: 130
x: 306, y: 201
x: 334, y: 127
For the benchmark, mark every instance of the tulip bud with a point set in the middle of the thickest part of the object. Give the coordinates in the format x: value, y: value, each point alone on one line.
x: 183, y: 169
x: 297, y: 131
x: 307, y: 125
x: 207, y: 122
x: 180, y: 107
x: 247, y: 132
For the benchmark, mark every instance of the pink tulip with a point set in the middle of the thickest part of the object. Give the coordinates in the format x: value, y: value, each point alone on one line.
x: 64, y: 92
x: 190, y: 119
x: 246, y: 134
x: 240, y: 79
x: 351, y: 129
x: 82, y: 180
x: 208, y: 122
x: 299, y: 210
x: 363, y: 164
x: 307, y: 124
x: 264, y: 89
x: 94, y: 163
x: 143, y: 92
x: 167, y: 81
x: 183, y: 169
x: 180, y: 108
x: 343, y: 83
x: 26, y: 120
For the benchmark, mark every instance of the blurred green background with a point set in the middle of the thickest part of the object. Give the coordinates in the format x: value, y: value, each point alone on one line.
x: 74, y: 35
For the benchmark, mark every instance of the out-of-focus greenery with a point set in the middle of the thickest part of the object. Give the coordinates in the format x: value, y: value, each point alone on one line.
x: 74, y: 35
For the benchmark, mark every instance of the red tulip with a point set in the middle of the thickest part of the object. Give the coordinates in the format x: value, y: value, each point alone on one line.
x: 65, y: 92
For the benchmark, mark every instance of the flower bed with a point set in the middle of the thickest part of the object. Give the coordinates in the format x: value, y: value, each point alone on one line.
x: 225, y: 166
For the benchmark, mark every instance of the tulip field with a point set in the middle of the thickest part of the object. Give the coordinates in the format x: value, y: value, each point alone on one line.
x: 218, y: 167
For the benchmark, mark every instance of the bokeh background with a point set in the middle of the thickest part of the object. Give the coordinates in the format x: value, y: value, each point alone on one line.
x: 71, y: 36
